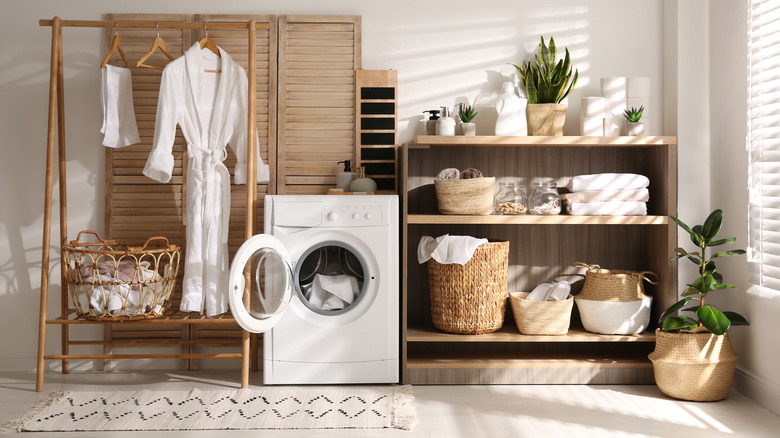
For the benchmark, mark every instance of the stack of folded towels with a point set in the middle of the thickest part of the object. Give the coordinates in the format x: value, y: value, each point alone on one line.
x: 607, y: 194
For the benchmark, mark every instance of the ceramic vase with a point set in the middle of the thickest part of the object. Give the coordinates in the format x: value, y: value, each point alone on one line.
x: 634, y: 128
x: 468, y: 129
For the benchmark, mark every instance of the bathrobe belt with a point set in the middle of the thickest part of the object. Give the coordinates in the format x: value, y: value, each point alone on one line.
x: 211, y: 162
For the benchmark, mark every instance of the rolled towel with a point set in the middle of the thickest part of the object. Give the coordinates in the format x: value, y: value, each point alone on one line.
x: 607, y: 209
x: 448, y: 174
x: 607, y: 181
x: 639, y: 195
x: 471, y: 173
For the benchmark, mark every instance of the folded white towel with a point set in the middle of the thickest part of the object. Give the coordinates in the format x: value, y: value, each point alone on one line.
x: 448, y: 174
x: 639, y: 195
x: 333, y: 292
x: 607, y: 181
x: 607, y: 209
x: 448, y: 249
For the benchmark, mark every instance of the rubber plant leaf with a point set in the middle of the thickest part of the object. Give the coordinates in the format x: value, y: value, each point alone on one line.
x: 728, y: 253
x: 722, y: 241
x: 691, y: 291
x: 682, y: 225
x: 674, y: 307
x: 712, y: 225
x: 713, y: 319
x: 704, y: 284
x: 736, y: 318
x: 679, y: 323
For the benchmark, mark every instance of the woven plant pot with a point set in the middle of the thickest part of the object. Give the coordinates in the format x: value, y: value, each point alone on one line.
x: 470, y: 299
x: 466, y: 196
x: 615, y: 318
x: 693, y: 366
x: 541, y: 317
x: 613, y: 285
x: 546, y: 118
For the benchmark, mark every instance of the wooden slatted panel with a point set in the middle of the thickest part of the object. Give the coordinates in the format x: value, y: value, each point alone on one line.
x: 318, y: 56
x: 138, y: 207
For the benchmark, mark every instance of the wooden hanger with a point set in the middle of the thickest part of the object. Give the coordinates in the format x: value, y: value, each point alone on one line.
x: 158, y: 43
x: 208, y: 43
x: 115, y: 45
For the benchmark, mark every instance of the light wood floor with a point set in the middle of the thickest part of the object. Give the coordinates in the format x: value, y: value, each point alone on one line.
x: 548, y: 411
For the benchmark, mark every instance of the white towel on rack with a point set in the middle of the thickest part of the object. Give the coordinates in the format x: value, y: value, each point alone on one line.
x: 607, y: 208
x: 448, y: 249
x: 607, y: 181
x: 116, y: 94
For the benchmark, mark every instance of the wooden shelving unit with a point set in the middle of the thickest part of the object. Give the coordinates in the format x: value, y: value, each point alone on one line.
x: 542, y: 248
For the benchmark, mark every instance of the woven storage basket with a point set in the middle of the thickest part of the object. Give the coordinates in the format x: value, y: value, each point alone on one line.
x: 541, y: 317
x: 614, y: 285
x: 110, y: 281
x: 466, y: 196
x: 470, y: 299
x: 615, y: 318
x: 693, y: 366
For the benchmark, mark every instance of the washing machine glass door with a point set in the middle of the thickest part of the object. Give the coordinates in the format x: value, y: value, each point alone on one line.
x: 258, y: 306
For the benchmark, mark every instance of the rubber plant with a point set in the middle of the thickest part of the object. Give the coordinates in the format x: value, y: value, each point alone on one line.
x: 545, y: 80
x: 708, y: 317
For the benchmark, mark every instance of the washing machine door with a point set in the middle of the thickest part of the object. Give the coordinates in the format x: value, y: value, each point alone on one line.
x: 264, y: 260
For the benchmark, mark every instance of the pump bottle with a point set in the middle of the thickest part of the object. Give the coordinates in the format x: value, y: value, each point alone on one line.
x: 345, y: 178
x: 446, y: 124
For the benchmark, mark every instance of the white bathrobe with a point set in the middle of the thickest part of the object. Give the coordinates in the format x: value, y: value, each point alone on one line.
x: 211, y: 109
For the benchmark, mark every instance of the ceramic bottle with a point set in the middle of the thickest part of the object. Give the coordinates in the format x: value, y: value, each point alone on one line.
x: 345, y: 178
x: 362, y: 184
x: 446, y: 124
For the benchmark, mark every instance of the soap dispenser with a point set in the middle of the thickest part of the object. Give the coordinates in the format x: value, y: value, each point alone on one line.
x: 430, y: 125
x: 362, y: 184
x: 345, y: 178
x: 446, y: 124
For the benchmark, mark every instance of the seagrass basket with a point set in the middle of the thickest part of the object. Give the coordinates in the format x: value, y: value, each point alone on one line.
x: 466, y: 196
x: 112, y: 281
x: 614, y: 285
x: 541, y: 317
x: 471, y: 298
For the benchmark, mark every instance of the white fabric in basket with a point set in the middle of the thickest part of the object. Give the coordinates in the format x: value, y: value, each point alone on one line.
x: 448, y: 249
x: 615, y: 318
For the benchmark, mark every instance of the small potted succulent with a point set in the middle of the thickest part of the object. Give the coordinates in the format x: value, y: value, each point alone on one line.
x: 467, y: 126
x: 693, y: 358
x: 547, y: 82
x: 633, y: 125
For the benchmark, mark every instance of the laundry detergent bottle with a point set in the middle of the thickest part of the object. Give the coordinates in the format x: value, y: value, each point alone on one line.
x: 362, y: 184
x: 345, y: 178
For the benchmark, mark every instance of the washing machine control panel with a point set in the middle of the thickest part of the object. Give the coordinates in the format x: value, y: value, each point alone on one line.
x: 354, y: 214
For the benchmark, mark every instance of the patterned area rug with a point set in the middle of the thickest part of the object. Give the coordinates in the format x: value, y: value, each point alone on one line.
x: 255, y: 408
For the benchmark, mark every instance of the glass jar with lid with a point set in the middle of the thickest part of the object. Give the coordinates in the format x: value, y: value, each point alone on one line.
x: 544, y: 199
x: 511, y: 199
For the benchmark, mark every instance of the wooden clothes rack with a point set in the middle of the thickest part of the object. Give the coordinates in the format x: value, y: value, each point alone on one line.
x: 56, y: 133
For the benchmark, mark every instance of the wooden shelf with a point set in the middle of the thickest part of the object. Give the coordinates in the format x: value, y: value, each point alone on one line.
x: 510, y: 334
x: 425, y: 141
x: 525, y: 219
x: 171, y: 316
x: 528, y: 361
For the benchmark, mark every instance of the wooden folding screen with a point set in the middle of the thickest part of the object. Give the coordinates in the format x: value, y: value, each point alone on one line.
x: 317, y: 59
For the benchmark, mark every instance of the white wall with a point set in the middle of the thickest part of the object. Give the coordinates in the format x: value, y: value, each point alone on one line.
x: 757, y: 368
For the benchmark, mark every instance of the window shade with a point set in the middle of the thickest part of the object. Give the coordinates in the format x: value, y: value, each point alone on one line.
x: 764, y: 147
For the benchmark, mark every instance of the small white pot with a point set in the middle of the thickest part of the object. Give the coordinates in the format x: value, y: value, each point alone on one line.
x: 634, y: 128
x: 468, y: 129
x: 614, y: 318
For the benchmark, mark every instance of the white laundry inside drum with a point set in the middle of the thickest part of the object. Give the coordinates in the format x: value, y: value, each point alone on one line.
x: 330, y: 278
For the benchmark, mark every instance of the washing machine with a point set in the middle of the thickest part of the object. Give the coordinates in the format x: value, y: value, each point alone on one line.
x: 323, y: 285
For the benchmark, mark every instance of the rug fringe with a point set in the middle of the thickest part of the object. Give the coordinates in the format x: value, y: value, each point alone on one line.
x: 403, y: 408
x: 17, y: 424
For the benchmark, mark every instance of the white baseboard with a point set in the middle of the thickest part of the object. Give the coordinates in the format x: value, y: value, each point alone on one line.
x: 758, y: 389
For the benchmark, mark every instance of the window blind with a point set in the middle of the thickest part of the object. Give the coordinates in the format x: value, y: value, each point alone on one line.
x: 764, y: 147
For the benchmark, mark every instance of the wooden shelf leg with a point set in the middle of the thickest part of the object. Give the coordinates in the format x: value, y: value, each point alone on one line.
x: 65, y: 334
x: 56, y: 40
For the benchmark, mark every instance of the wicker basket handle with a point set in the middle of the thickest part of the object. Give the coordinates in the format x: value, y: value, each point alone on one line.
x: 95, y: 233
x: 585, y: 265
x: 644, y: 275
x: 137, y: 249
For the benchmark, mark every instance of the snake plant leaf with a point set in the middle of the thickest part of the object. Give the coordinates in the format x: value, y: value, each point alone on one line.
x: 531, y: 92
x: 736, y: 318
x: 713, y: 319
x: 727, y: 253
x: 682, y: 225
x: 571, y: 86
x: 691, y: 291
x: 712, y: 225
x: 674, y: 307
x: 704, y: 283
x: 722, y: 241
x: 679, y: 323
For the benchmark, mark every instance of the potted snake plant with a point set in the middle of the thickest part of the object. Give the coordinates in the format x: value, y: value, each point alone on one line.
x: 693, y: 357
x: 547, y: 82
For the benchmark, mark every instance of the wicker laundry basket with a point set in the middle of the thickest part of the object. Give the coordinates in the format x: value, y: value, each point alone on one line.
x: 466, y: 196
x: 470, y: 299
x: 541, y: 317
x: 111, y: 281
